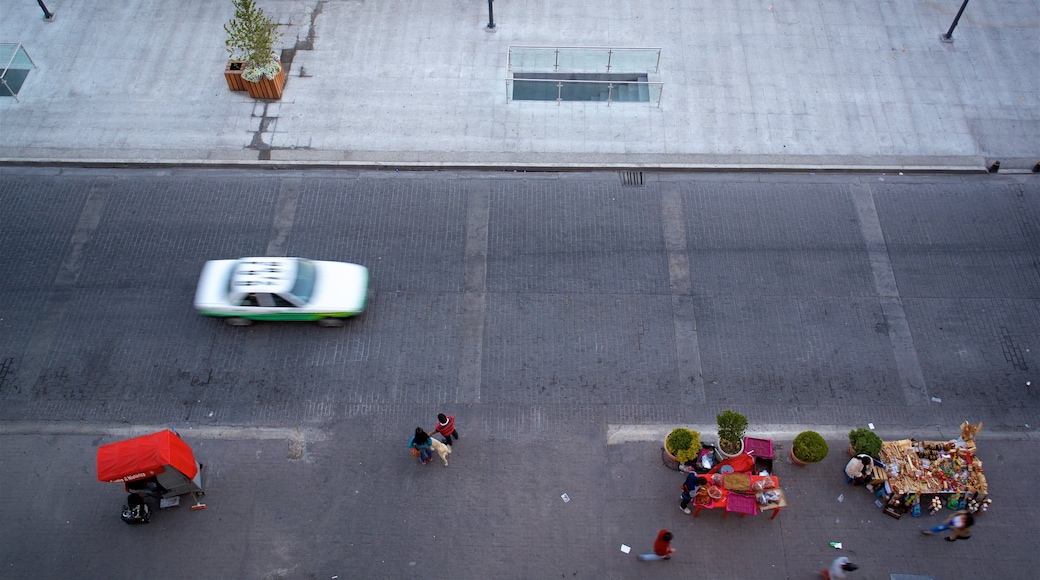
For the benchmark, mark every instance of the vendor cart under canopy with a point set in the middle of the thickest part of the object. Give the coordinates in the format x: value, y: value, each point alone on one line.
x: 161, y: 458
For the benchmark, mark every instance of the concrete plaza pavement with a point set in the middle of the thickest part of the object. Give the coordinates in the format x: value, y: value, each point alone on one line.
x: 348, y: 504
x: 750, y: 84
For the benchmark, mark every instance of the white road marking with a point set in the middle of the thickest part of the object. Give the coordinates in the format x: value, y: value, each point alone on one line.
x: 230, y: 433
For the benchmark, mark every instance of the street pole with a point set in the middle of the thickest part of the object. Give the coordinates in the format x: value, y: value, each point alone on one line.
x: 948, y: 37
x: 491, y: 15
x: 47, y: 14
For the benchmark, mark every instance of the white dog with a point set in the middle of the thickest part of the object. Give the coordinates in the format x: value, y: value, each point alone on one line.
x: 441, y: 449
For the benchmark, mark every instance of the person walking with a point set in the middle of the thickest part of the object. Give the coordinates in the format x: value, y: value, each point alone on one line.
x: 662, y: 548
x: 839, y: 569
x: 446, y: 428
x: 420, y: 442
x: 959, y: 525
x: 689, y: 489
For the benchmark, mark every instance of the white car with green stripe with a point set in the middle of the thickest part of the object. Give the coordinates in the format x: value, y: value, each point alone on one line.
x: 249, y: 289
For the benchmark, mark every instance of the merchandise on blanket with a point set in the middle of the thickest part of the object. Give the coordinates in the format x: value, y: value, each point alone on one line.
x: 736, y: 482
x: 702, y: 497
x: 768, y: 497
x: 878, y: 475
x: 973, y: 504
x: 936, y: 506
x: 763, y: 484
x: 932, y: 467
x: 705, y: 459
x: 968, y: 433
x: 896, y: 506
x: 915, y: 509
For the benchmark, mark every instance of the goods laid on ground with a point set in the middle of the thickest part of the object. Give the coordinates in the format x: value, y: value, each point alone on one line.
x: 949, y: 471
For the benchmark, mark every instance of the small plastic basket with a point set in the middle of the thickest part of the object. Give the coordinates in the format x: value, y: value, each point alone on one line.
x: 759, y: 447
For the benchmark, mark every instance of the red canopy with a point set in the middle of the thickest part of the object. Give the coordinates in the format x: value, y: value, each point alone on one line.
x: 145, y: 456
x: 741, y: 463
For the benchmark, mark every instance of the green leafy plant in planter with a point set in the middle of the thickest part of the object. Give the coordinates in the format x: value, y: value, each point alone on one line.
x: 809, y: 447
x: 732, y: 426
x: 251, y: 37
x: 684, y: 444
x: 863, y: 440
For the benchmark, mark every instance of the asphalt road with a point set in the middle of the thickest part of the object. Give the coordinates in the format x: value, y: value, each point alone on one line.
x: 543, y: 310
x: 796, y: 298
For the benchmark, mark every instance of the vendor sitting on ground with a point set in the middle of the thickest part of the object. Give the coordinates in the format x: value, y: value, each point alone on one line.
x: 860, y: 469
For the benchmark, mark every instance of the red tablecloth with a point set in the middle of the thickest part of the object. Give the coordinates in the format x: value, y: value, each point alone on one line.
x: 721, y: 502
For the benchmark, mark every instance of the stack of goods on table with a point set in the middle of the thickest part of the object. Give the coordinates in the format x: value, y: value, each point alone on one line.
x: 948, y: 470
x: 932, y: 467
x: 733, y: 487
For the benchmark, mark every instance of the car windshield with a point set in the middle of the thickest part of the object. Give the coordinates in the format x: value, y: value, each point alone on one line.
x: 304, y: 286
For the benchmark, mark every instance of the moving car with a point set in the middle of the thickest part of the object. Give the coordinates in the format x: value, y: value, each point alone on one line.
x: 249, y: 289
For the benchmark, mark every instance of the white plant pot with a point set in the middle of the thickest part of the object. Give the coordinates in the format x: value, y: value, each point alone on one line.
x: 723, y: 455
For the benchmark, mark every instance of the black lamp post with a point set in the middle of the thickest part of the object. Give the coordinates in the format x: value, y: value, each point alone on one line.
x: 47, y: 14
x: 948, y: 37
x: 491, y: 15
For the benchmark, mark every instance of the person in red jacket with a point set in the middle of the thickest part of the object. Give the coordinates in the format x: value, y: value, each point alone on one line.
x: 662, y: 548
x: 446, y: 427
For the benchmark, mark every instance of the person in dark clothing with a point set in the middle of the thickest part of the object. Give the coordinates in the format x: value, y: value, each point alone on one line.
x: 689, y: 489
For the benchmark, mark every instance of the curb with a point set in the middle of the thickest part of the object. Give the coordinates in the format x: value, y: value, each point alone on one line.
x: 618, y: 434
x: 506, y: 167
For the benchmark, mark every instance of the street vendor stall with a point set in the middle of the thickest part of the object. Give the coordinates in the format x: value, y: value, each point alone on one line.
x: 734, y: 487
x: 949, y: 471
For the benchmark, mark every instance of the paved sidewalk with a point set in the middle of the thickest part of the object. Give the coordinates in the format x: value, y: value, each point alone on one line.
x: 748, y: 84
x: 357, y: 505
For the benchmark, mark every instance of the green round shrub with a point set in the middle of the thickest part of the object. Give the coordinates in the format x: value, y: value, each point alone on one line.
x: 810, y: 447
x: 864, y: 440
x: 683, y: 443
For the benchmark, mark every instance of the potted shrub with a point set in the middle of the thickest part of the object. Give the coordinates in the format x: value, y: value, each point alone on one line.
x: 682, y: 445
x: 808, y: 447
x: 863, y: 440
x: 732, y: 426
x: 251, y: 37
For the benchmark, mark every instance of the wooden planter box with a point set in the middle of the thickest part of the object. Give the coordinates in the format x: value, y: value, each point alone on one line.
x: 267, y: 88
x: 233, y: 75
